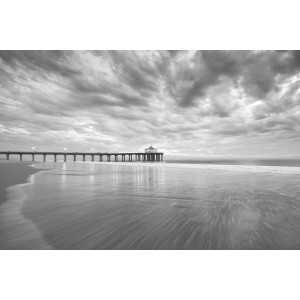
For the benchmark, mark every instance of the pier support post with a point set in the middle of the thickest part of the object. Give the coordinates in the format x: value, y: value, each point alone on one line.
x: 74, y: 157
x: 7, y: 156
x: 55, y: 160
x: 21, y: 157
x: 32, y: 157
x: 83, y: 157
x: 100, y: 158
x: 92, y: 157
x: 65, y: 157
x: 44, y: 157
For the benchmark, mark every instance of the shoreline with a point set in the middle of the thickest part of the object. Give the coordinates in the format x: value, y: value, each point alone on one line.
x: 96, y: 212
x: 13, y: 173
x: 16, y: 231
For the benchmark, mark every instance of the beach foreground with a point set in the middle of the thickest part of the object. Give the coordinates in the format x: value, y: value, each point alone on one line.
x: 16, y: 231
x: 135, y: 206
x: 12, y: 173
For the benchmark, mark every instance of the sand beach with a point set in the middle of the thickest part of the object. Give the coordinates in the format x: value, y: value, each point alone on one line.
x: 16, y: 231
x: 152, y: 206
x: 12, y: 173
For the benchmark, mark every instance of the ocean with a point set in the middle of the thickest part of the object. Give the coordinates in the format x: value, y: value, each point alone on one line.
x: 216, y: 204
x: 287, y: 162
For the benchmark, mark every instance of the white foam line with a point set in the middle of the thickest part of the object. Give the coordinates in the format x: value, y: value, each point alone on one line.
x: 18, y: 232
x: 255, y: 169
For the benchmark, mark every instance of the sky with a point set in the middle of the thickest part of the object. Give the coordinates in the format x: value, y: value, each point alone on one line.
x: 184, y: 103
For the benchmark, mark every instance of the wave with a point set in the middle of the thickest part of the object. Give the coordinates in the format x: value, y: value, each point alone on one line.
x: 242, y: 168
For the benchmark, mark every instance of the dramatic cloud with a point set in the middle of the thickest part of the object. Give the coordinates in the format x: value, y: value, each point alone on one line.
x: 244, y: 103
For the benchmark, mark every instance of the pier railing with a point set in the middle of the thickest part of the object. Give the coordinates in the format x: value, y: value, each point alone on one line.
x: 102, y: 156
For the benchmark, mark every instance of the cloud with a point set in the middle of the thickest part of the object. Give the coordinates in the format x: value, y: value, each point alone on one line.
x: 181, y: 101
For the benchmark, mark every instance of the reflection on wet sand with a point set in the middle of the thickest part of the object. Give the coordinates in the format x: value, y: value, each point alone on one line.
x: 102, y: 206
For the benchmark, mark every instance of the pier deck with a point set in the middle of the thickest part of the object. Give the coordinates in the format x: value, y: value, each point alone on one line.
x: 102, y: 156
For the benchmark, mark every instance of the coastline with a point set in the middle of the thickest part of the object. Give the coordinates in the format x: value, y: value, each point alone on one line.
x: 13, y: 173
x: 113, y: 208
x: 16, y: 231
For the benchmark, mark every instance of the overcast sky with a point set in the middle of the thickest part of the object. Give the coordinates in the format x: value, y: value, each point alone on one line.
x: 205, y: 103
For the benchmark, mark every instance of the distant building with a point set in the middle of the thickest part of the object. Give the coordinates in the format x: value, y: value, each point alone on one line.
x: 150, y: 150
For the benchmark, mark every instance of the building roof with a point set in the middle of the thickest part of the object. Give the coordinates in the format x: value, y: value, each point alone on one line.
x: 150, y: 148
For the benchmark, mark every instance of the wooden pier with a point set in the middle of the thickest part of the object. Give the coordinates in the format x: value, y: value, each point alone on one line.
x: 94, y: 156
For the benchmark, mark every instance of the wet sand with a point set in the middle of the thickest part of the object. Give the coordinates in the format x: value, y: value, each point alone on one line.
x: 136, y: 206
x: 153, y: 206
x: 12, y: 173
x: 16, y: 231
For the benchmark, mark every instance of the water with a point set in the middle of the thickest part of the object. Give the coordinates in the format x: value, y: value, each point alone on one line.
x: 287, y: 162
x: 162, y: 206
x: 284, y: 162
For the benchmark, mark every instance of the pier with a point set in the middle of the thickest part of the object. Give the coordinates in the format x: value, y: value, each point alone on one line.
x: 94, y: 156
